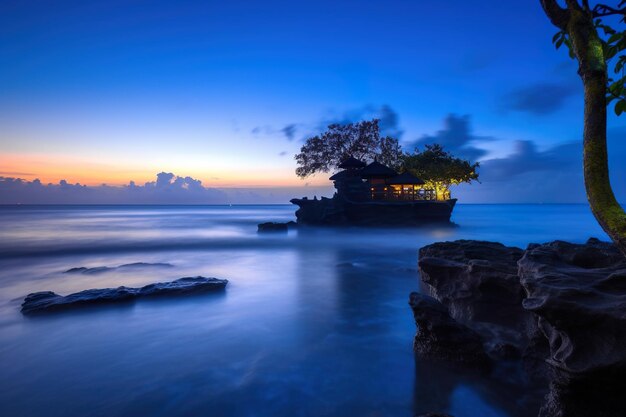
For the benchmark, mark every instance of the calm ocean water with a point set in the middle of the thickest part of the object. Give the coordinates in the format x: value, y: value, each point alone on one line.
x: 313, y: 323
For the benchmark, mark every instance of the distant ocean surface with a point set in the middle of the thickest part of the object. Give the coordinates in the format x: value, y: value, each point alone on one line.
x: 313, y: 323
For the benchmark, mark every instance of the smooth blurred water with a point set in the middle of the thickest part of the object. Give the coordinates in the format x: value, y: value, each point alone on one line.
x: 313, y: 323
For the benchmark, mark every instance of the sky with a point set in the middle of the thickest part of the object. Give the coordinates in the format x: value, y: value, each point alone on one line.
x: 208, y: 101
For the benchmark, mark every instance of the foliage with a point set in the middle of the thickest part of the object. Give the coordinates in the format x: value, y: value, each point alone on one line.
x: 362, y: 140
x: 439, y: 169
x: 613, y: 47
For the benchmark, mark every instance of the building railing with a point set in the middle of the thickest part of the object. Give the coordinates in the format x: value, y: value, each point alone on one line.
x: 402, y: 195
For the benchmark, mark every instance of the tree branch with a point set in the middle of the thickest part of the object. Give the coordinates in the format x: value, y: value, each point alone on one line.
x: 604, y: 10
x: 557, y: 15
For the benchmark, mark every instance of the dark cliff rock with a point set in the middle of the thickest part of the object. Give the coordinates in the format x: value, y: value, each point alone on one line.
x: 441, y: 337
x: 47, y: 301
x: 565, y: 302
x: 476, y: 280
x: 578, y: 293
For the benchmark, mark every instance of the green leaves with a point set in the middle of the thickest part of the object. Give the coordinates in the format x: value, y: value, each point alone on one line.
x: 620, y: 107
x: 613, y: 50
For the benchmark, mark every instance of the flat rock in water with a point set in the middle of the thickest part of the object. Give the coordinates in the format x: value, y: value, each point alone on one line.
x: 46, y: 301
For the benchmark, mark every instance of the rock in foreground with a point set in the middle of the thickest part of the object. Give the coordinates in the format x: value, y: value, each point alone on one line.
x: 46, y: 301
x: 566, y: 302
x: 441, y: 337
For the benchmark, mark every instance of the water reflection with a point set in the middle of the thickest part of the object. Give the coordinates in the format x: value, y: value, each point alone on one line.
x: 312, y: 323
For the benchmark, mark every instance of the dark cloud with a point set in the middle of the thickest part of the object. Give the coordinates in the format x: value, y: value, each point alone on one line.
x: 289, y: 131
x: 456, y: 137
x: 526, y: 158
x: 389, y: 119
x: 538, y: 99
x: 389, y: 123
x: 553, y: 175
x: 283, y: 153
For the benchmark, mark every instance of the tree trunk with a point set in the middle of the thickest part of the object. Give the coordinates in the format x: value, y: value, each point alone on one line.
x: 593, y: 71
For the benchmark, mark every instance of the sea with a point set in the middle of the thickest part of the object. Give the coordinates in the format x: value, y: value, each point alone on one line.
x: 314, y: 322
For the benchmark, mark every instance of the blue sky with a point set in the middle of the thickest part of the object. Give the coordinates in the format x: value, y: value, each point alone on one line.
x: 108, y: 92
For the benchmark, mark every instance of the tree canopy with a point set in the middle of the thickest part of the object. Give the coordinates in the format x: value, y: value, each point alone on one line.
x: 439, y: 169
x: 362, y: 140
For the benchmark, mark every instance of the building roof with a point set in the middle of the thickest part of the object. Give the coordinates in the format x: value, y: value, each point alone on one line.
x: 351, y: 163
x: 341, y: 175
x: 405, y: 178
x: 376, y: 169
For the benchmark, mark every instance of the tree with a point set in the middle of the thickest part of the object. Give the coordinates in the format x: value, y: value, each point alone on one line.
x: 361, y: 140
x: 439, y: 169
x: 593, y: 44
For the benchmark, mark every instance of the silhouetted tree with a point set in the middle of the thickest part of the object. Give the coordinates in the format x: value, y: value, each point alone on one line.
x: 361, y: 140
x: 594, y: 44
x: 439, y: 169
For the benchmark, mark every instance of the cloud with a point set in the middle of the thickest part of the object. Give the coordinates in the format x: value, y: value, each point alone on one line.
x: 537, y: 99
x: 289, y: 131
x: 456, y: 137
x: 389, y: 119
x: 553, y: 175
x: 526, y: 158
x: 283, y: 153
x: 389, y: 123
x: 167, y: 189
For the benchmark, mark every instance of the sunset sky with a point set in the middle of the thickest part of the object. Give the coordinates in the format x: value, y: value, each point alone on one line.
x: 226, y: 91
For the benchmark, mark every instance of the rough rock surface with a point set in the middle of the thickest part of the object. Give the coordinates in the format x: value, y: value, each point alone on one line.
x: 46, y: 301
x: 566, y: 302
x: 476, y: 280
x: 441, y: 337
x: 578, y: 293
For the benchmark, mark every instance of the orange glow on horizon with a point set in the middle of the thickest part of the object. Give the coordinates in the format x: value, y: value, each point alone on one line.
x: 50, y: 169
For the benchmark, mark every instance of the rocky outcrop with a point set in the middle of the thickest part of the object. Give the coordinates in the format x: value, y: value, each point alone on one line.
x: 476, y: 280
x: 441, y: 337
x: 272, y: 227
x: 340, y: 211
x: 562, y: 306
x: 46, y: 301
x: 578, y: 294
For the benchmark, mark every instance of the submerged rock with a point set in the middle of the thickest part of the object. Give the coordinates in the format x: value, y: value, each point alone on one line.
x: 272, y: 227
x: 45, y: 301
x: 101, y: 269
x: 441, y: 337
